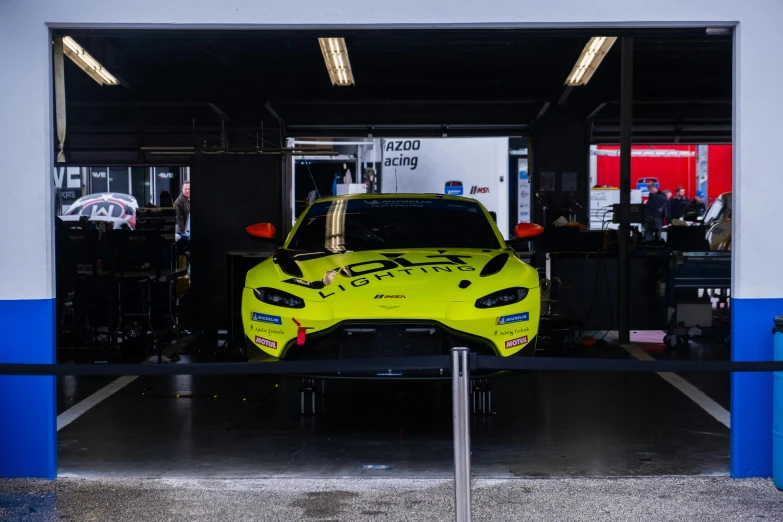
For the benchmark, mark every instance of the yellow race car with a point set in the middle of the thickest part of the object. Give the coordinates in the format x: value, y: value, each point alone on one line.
x: 391, y: 275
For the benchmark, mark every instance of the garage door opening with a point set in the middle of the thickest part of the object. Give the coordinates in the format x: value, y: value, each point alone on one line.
x: 263, y: 124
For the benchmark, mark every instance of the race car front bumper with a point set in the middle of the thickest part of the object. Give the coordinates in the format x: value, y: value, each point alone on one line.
x: 320, y: 331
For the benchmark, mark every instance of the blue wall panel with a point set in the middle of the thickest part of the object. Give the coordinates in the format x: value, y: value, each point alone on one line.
x: 28, y: 415
x: 751, y: 393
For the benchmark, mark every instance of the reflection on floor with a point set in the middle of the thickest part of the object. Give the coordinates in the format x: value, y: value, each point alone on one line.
x: 549, y: 424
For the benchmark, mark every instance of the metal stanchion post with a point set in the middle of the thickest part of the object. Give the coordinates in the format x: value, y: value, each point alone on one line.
x: 460, y: 388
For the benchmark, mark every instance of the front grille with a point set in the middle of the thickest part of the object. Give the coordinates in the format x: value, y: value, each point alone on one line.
x: 359, y: 340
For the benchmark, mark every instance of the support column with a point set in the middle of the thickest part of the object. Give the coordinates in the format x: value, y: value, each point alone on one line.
x: 28, y: 414
x: 28, y: 424
x: 624, y: 254
x: 757, y: 288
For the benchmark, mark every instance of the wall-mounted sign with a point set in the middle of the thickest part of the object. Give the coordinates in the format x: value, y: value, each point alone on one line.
x: 470, y: 167
x: 569, y: 182
x: 548, y: 182
x: 524, y: 213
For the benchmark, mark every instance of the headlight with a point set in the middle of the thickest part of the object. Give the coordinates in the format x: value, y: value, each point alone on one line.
x: 278, y: 298
x: 502, y: 298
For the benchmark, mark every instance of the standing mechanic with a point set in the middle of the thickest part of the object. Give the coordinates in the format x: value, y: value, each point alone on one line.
x: 182, y: 209
x: 695, y: 208
x: 678, y: 203
x: 657, y: 209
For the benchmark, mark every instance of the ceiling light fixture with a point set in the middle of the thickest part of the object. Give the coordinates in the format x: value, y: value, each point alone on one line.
x: 337, y: 63
x: 590, y: 59
x: 87, y: 63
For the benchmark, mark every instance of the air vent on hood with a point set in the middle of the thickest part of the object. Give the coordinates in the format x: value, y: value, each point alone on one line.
x: 287, y: 263
x: 494, y: 265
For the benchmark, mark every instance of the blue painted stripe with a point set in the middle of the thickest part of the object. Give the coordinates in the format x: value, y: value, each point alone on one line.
x: 751, y: 393
x: 28, y: 414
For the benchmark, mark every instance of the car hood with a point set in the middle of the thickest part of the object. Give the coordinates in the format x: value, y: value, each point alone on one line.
x: 420, y: 274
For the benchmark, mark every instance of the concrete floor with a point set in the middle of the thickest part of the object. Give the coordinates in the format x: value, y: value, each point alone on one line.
x: 550, y: 424
x: 692, y: 499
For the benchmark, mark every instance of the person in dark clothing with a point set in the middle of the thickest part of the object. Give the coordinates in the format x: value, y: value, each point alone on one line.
x: 695, y: 208
x: 657, y: 210
x: 677, y: 204
x: 182, y: 209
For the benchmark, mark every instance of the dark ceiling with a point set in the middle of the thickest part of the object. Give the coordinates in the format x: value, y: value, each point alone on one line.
x: 181, y: 84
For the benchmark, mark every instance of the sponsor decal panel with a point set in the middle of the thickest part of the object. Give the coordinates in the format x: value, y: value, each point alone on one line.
x: 383, y: 270
x: 514, y: 318
x: 266, y: 342
x: 266, y: 318
x: 266, y: 330
x: 511, y: 331
x: 454, y: 188
x: 519, y: 341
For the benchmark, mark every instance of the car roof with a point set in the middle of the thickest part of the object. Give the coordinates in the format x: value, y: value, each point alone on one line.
x: 98, y: 196
x: 398, y: 196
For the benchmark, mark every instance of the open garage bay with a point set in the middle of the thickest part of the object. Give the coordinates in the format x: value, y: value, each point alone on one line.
x: 549, y: 424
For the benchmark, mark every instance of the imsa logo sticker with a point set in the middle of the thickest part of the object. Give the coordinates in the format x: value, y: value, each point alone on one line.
x: 516, y: 318
x: 264, y: 318
x: 270, y: 343
x: 513, y: 343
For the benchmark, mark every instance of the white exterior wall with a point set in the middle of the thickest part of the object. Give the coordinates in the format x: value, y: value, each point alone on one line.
x: 26, y: 122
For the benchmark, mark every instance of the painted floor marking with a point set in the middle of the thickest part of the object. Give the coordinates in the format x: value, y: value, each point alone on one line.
x: 80, y: 408
x: 717, y: 411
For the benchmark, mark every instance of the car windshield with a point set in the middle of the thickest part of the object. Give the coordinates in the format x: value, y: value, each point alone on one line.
x: 390, y: 223
x: 718, y: 209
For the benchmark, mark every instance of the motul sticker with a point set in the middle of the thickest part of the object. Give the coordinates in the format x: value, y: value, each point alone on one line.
x: 266, y: 342
x: 513, y: 343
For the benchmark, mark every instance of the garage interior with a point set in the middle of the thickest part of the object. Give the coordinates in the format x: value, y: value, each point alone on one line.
x: 219, y: 108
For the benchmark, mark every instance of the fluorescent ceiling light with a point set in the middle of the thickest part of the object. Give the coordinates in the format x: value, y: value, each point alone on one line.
x: 337, y: 63
x: 87, y: 63
x: 590, y: 59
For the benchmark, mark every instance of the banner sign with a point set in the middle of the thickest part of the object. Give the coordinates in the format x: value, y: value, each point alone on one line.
x: 471, y: 167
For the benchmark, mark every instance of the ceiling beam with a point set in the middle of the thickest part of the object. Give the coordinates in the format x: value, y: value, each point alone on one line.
x: 544, y: 108
x: 270, y: 110
x: 408, y: 102
x: 598, y: 109
x: 566, y: 93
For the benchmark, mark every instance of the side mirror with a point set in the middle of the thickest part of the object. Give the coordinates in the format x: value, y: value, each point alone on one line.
x: 262, y: 231
x: 523, y: 230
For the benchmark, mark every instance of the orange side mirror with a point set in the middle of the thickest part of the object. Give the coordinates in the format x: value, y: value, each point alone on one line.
x: 528, y: 230
x: 263, y: 230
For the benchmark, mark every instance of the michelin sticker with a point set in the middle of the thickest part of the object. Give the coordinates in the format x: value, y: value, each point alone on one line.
x: 264, y: 318
x: 516, y: 318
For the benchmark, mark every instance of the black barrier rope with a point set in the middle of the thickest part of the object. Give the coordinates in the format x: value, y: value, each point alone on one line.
x: 488, y: 362
x: 388, y: 366
x: 380, y: 365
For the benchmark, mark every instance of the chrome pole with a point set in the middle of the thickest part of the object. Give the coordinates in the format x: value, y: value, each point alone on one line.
x: 460, y: 388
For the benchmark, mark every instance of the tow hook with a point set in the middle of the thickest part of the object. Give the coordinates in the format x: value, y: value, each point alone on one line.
x: 301, y: 332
